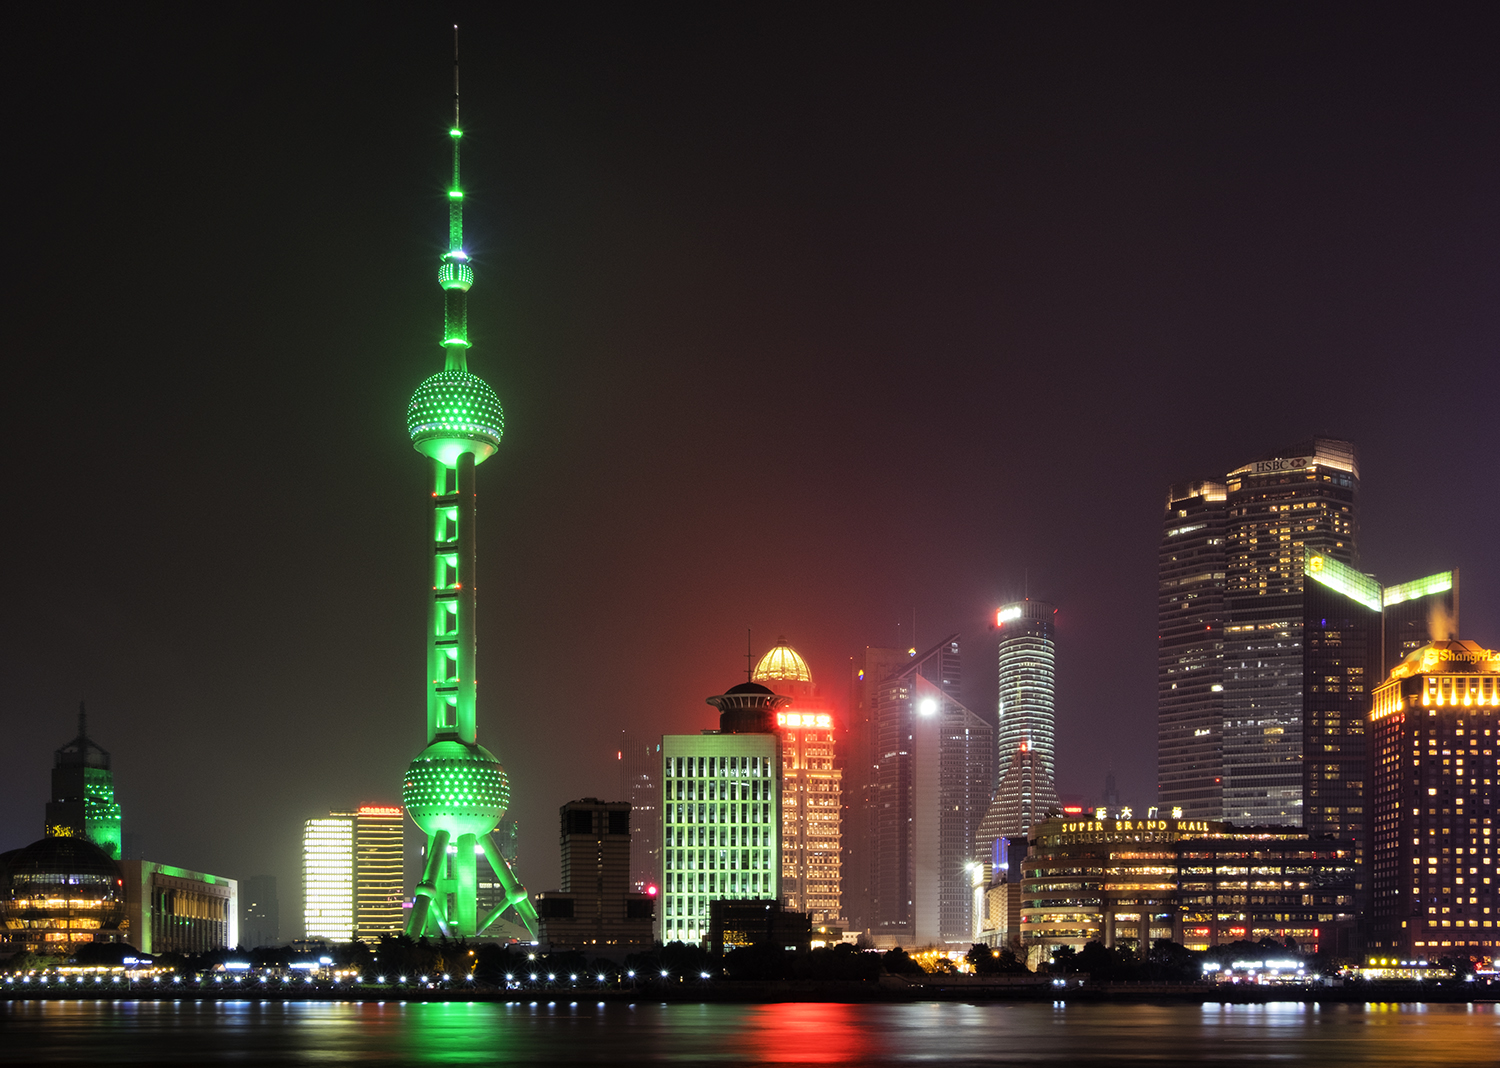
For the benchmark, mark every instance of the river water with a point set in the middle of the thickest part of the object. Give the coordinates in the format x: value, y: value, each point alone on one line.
x: 247, y: 1033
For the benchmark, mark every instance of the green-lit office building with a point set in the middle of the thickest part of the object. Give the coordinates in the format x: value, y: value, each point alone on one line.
x: 721, y: 813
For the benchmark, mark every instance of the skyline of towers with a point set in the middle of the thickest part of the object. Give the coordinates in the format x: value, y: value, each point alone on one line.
x: 1270, y: 639
x: 455, y: 789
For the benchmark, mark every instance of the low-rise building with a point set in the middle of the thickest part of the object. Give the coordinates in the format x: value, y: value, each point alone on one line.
x: 1132, y: 882
x: 174, y: 910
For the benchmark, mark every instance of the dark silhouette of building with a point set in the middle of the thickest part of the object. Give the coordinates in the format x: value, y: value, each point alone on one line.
x: 739, y: 924
x: 597, y: 907
x: 260, y: 912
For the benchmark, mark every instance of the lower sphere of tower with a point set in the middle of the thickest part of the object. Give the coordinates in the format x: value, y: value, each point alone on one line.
x: 455, y: 787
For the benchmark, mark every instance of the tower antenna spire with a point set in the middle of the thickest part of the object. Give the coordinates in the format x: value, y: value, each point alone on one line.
x: 455, y: 74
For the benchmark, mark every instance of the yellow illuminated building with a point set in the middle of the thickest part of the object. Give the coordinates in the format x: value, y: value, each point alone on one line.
x: 811, y: 786
x: 1434, y: 727
x: 379, y: 884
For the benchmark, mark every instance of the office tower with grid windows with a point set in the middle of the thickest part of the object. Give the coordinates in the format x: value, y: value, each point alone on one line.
x: 379, y: 876
x: 721, y: 812
x: 1190, y: 651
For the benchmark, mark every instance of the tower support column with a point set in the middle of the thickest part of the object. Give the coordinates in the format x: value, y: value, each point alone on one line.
x: 467, y: 728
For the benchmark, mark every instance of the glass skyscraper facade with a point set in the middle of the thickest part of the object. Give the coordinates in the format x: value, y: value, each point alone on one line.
x: 1190, y: 658
x: 1297, y: 499
x: 932, y: 778
x: 1027, y: 717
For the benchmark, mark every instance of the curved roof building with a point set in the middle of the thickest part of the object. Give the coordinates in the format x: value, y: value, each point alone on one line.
x: 59, y: 893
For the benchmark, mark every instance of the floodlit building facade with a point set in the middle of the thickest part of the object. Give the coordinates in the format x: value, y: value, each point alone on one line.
x: 174, y: 910
x: 811, y: 802
x: 328, y: 878
x: 1434, y: 731
x: 721, y: 813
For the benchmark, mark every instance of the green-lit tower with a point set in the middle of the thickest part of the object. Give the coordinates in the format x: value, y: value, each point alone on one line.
x: 83, y: 793
x: 456, y: 790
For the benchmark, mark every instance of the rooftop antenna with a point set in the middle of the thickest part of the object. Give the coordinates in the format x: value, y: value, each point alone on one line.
x: 455, y: 75
x: 749, y: 656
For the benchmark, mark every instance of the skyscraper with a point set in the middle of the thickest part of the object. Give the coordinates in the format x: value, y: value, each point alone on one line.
x: 810, y: 785
x: 1434, y: 724
x: 933, y: 772
x: 1190, y: 659
x: 83, y: 794
x: 1027, y: 715
x: 260, y: 912
x: 455, y: 789
x: 328, y: 877
x: 639, y: 758
x: 379, y: 878
x: 855, y: 759
x: 1302, y: 498
x: 721, y: 812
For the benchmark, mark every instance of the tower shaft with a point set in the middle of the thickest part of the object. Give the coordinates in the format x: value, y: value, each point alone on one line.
x: 451, y: 691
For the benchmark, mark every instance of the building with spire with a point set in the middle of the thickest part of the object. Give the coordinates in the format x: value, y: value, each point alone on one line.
x: 810, y: 785
x: 83, y: 793
x: 456, y: 790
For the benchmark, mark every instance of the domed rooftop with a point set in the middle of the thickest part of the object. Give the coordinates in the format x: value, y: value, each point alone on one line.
x: 782, y: 664
x: 72, y: 858
x: 453, y: 412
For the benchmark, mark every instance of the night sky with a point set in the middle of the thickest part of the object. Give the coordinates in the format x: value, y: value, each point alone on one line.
x: 809, y: 322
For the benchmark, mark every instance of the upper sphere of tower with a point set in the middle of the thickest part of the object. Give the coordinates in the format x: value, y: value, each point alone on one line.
x: 454, y: 412
x: 782, y: 664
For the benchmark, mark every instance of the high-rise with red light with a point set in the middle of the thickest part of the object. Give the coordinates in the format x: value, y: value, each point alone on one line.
x: 810, y: 785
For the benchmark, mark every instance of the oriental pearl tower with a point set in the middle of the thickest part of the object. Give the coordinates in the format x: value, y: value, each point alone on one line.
x: 456, y: 790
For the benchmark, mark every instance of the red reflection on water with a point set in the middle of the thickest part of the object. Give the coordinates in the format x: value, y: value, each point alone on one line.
x: 808, y: 1033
